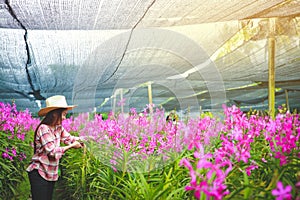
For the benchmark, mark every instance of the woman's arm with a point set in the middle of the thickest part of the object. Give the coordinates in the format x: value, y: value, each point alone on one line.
x: 67, y: 138
x: 50, y: 143
x: 75, y: 145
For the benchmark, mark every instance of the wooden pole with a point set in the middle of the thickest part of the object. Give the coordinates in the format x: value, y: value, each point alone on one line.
x: 271, y: 66
x: 114, y: 102
x: 287, y: 100
x: 121, y: 99
x: 150, y: 97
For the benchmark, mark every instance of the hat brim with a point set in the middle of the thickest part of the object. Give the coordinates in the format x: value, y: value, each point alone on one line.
x: 44, y: 111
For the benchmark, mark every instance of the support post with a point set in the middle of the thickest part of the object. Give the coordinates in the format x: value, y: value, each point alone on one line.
x: 271, y: 66
x: 287, y: 100
x: 114, y: 102
x: 121, y: 100
x: 150, y: 97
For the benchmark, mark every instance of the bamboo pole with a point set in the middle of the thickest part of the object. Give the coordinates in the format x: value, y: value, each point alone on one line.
x: 150, y: 97
x: 114, y: 102
x: 271, y: 66
x: 121, y: 99
x: 287, y: 100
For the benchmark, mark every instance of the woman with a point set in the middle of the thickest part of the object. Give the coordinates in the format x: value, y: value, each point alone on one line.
x: 43, y: 169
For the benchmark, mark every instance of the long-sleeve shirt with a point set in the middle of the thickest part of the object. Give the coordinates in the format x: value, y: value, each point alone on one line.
x: 48, y: 150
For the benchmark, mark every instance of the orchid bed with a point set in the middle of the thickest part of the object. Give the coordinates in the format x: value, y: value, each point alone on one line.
x: 141, y: 156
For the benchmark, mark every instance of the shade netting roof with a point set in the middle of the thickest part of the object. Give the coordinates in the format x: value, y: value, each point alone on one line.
x: 194, y: 55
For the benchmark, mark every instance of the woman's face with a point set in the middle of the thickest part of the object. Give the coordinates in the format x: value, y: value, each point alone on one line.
x: 63, y: 115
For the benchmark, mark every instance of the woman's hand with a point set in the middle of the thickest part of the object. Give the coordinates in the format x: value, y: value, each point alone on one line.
x: 76, y: 145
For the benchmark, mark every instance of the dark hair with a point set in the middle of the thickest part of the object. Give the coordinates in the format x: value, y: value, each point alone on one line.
x: 52, y: 118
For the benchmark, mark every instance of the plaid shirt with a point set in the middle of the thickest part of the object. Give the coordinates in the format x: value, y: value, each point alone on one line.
x: 48, y: 150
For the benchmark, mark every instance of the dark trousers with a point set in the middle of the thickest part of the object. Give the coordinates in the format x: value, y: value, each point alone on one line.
x: 41, y: 189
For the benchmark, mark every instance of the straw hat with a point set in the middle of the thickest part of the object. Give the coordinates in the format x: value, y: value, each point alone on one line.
x: 55, y: 102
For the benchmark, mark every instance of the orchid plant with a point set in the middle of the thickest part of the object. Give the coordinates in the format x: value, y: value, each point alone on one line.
x: 15, y: 145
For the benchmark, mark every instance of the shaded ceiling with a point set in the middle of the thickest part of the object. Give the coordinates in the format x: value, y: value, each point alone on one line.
x: 195, y: 55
